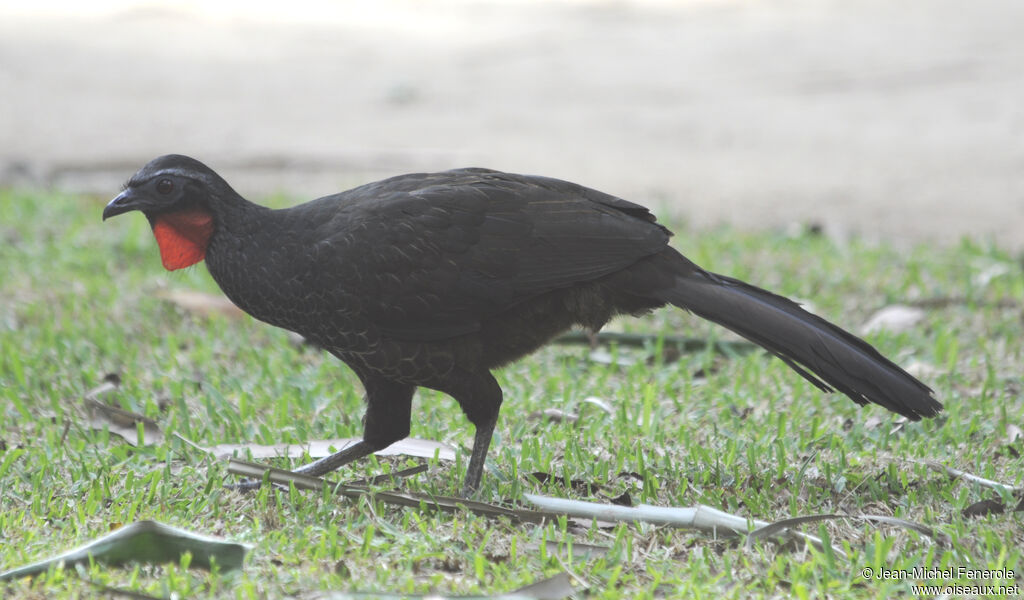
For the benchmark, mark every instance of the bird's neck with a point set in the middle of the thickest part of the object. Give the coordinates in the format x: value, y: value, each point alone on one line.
x: 245, y: 254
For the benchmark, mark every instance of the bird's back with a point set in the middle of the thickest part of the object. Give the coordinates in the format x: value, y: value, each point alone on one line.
x: 429, y: 256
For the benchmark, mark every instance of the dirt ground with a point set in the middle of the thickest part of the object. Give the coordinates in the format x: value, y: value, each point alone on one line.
x: 889, y: 119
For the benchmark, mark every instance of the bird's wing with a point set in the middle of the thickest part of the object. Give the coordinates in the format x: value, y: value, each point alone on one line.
x: 441, y: 252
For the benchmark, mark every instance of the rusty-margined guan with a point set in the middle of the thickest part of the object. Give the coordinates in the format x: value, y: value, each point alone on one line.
x: 434, y: 279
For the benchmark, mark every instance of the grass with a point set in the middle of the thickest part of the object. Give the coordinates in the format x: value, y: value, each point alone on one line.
x: 79, y: 299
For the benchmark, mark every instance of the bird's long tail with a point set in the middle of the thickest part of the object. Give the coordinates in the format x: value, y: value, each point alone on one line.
x: 821, y: 352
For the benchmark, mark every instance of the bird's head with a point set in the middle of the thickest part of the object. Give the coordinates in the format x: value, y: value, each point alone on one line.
x: 176, y: 193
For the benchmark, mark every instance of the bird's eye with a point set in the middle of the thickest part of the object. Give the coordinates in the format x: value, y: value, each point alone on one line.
x: 165, y: 186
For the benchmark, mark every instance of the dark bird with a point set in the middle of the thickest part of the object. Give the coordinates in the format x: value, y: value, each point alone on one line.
x: 434, y: 279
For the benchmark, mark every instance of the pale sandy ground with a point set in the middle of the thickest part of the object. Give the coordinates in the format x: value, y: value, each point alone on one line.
x: 889, y: 119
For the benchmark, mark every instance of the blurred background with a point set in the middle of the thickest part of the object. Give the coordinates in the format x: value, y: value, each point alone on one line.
x: 897, y: 120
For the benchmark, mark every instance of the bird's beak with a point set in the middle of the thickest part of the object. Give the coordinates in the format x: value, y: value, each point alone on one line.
x: 126, y: 201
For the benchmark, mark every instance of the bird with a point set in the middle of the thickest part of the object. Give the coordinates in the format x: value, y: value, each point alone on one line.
x: 434, y: 280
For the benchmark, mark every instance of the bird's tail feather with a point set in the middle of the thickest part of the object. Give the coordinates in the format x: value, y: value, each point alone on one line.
x: 821, y: 352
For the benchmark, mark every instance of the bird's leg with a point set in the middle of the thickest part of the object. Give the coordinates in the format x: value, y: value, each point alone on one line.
x: 338, y: 459
x: 388, y: 413
x: 321, y: 466
x: 475, y: 470
x: 480, y: 398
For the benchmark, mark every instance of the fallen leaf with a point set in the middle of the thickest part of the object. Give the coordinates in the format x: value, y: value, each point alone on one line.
x: 556, y: 415
x: 964, y: 475
x: 598, y: 402
x: 111, y: 381
x: 923, y: 370
x: 700, y: 517
x: 985, y: 508
x: 552, y: 588
x: 1013, y: 434
x: 896, y: 318
x: 145, y: 542
x: 603, y: 357
x: 419, y: 448
x: 123, y: 423
x: 989, y: 272
x: 872, y: 422
x: 200, y: 303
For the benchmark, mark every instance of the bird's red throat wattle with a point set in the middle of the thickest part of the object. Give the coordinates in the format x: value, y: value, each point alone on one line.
x: 182, y: 237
